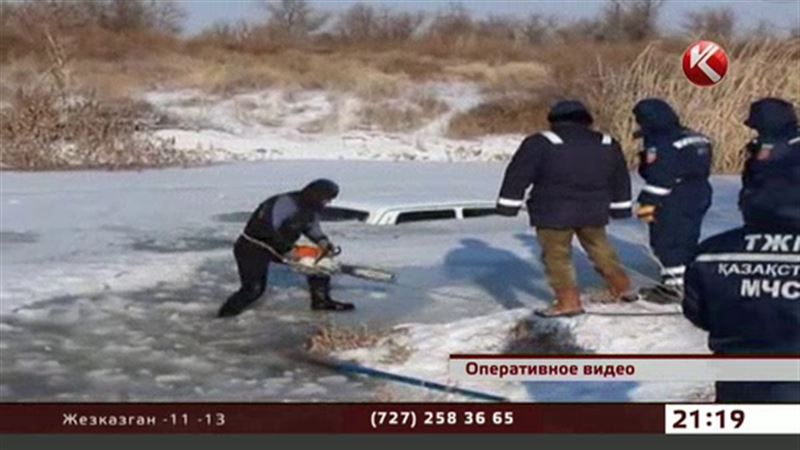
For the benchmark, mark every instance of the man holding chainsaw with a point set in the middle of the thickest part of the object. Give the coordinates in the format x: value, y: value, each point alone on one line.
x: 270, y: 236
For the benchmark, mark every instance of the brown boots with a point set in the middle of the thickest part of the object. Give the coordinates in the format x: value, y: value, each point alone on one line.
x: 568, y: 301
x: 567, y: 304
x: 619, y: 285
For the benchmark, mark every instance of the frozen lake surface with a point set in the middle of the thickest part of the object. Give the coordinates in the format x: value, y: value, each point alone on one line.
x: 110, y: 282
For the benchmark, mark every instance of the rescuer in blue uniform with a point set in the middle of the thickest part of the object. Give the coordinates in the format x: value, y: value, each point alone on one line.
x: 744, y: 285
x: 775, y: 122
x: 675, y: 163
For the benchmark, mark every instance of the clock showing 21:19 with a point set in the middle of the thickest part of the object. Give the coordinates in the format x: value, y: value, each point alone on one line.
x: 721, y: 419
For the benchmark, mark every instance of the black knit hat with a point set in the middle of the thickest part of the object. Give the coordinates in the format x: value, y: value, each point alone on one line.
x: 570, y: 111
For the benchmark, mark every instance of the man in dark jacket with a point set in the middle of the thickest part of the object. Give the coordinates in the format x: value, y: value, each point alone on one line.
x: 270, y: 235
x: 776, y: 123
x: 744, y: 286
x: 675, y: 163
x: 579, y: 179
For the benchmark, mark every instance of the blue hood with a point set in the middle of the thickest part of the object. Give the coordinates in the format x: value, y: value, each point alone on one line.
x: 773, y: 118
x: 655, y: 116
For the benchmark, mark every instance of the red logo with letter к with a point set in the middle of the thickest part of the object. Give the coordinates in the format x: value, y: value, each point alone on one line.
x: 705, y: 63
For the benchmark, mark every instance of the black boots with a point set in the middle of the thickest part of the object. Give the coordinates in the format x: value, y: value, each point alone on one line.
x: 232, y: 308
x: 321, y: 298
x: 331, y: 305
x: 237, y: 302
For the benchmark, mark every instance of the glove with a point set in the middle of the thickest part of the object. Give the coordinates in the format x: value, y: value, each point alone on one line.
x: 329, y: 248
x: 647, y: 213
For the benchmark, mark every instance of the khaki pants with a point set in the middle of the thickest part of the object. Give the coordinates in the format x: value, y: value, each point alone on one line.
x: 556, y: 247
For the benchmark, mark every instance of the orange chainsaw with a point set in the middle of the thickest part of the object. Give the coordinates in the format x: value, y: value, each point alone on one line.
x: 312, y: 260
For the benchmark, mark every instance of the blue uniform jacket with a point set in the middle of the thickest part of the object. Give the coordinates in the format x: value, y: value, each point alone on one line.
x: 673, y: 157
x: 744, y: 285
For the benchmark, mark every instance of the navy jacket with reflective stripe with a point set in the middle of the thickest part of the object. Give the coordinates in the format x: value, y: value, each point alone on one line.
x: 671, y: 159
x: 579, y: 178
x: 761, y: 154
x: 744, y: 286
x: 744, y: 289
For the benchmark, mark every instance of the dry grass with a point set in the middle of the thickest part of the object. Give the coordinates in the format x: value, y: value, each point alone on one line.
x: 396, y: 116
x: 49, y: 120
x: 612, y: 78
x: 758, y: 69
x: 502, y: 115
x: 231, y: 73
x: 43, y: 129
x: 519, y: 94
x: 409, y: 64
x: 503, y: 78
x: 331, y: 338
x: 570, y: 64
x: 397, y: 354
x: 519, y: 76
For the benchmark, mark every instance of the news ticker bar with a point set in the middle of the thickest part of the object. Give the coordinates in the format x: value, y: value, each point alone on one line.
x: 369, y: 418
x: 623, y: 368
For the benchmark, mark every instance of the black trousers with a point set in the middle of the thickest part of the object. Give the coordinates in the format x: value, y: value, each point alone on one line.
x: 253, y: 263
x: 675, y: 234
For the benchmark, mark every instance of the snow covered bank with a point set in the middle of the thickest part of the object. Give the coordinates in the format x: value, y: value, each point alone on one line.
x: 275, y: 124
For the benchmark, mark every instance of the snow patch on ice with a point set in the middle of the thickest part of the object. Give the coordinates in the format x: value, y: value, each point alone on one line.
x: 28, y: 283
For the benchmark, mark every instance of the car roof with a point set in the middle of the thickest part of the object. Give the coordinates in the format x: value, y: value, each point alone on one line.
x: 375, y: 207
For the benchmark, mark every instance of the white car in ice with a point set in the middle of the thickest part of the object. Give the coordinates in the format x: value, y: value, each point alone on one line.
x: 405, y: 213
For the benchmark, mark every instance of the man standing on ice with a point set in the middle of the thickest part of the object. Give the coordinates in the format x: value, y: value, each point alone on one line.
x: 579, y: 179
x: 270, y: 235
x: 675, y: 163
x: 743, y: 287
